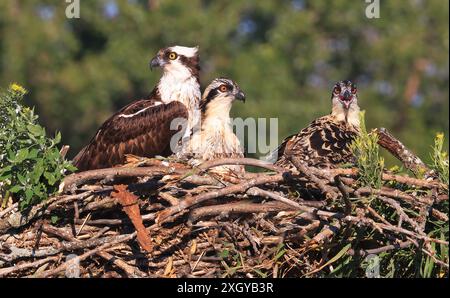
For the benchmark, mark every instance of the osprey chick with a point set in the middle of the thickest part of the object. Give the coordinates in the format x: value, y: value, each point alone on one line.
x: 215, y: 138
x: 143, y: 127
x: 326, y: 141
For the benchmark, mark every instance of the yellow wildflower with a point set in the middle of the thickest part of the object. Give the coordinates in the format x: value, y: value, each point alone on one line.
x: 18, y: 88
x: 394, y: 169
x: 440, y: 136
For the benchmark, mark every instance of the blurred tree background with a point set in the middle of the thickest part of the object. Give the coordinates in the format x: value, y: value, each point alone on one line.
x: 286, y: 55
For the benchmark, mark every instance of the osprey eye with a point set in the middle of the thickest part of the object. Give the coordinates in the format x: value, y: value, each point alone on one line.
x: 337, y: 90
x: 173, y: 55
x: 223, y: 88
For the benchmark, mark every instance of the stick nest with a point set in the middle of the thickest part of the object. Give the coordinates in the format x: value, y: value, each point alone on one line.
x: 154, y: 218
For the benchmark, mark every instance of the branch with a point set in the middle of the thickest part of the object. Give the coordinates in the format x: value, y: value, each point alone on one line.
x: 396, y: 148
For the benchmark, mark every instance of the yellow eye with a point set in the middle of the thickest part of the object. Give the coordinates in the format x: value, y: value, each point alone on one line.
x: 173, y: 55
x: 223, y: 88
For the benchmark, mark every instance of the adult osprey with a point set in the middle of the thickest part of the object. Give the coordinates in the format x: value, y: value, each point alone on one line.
x: 143, y: 127
x: 325, y: 142
x: 215, y: 138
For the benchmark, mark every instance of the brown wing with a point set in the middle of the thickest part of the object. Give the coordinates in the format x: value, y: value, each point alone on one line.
x: 323, y: 142
x: 141, y: 128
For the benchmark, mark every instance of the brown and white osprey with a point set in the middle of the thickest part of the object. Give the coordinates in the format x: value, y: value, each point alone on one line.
x: 143, y: 127
x: 326, y: 141
x: 215, y: 138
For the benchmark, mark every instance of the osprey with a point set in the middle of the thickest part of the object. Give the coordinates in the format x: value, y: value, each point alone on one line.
x: 325, y: 142
x: 215, y: 138
x: 143, y: 127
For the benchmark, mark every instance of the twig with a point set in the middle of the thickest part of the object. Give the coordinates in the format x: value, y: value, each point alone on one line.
x: 16, y: 268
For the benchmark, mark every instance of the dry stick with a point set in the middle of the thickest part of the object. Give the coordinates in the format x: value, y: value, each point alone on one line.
x: 236, y: 188
x: 74, y: 180
x: 395, y: 194
x: 256, y: 191
x: 431, y: 255
x: 9, y: 270
x: 241, y: 161
x: 329, y: 193
x: 9, y: 209
x: 131, y: 271
x: 72, y: 261
x: 64, y: 150
x: 66, y: 235
x: 238, y: 207
x: 112, y: 241
x: 330, y: 173
x: 74, y: 245
x: 378, y: 250
x: 401, y: 213
x: 396, y: 148
x: 367, y: 221
x: 17, y: 220
x: 17, y: 253
x: 345, y: 194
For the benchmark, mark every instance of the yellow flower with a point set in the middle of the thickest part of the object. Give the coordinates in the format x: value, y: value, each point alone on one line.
x: 440, y: 136
x: 18, y: 88
x: 394, y: 168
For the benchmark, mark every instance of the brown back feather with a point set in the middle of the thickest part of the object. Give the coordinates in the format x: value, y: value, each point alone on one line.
x: 146, y: 134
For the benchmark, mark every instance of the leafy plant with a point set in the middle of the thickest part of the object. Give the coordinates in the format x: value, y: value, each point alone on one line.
x: 440, y: 159
x: 30, y: 163
x: 366, y: 151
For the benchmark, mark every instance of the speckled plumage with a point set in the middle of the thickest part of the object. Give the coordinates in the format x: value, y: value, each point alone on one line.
x: 326, y: 141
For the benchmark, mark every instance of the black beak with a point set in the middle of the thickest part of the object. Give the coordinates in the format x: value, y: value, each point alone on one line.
x: 346, y: 99
x: 240, y: 96
x: 155, y: 62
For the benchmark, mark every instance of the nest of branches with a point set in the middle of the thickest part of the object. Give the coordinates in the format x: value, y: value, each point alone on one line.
x: 162, y: 218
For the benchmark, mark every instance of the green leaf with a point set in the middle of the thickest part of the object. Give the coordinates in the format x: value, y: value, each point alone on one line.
x: 35, y: 130
x: 22, y: 154
x: 33, y: 154
x: 50, y: 178
x: 54, y: 219
x: 224, y: 253
x: 22, y: 179
x: 28, y: 194
x: 57, y: 138
x: 260, y: 273
x: 15, y: 189
x: 342, y: 252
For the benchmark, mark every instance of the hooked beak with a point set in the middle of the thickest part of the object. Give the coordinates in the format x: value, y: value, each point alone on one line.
x: 240, y: 96
x: 155, y: 62
x: 346, y: 99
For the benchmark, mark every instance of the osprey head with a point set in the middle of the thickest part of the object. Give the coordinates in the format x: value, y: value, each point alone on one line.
x: 220, y: 94
x: 178, y: 60
x: 345, y: 102
x: 344, y: 94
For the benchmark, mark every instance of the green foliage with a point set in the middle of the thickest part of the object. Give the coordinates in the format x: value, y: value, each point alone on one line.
x: 366, y: 150
x: 439, y: 159
x: 30, y: 164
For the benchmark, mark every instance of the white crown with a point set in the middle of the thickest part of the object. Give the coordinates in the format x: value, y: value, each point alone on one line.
x: 185, y: 51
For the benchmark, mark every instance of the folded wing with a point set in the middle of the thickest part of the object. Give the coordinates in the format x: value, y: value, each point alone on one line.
x: 141, y: 128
